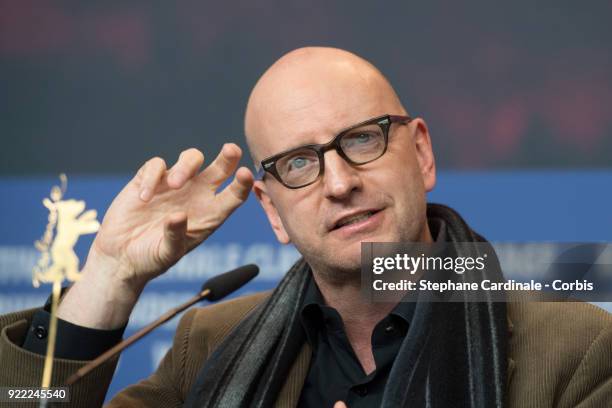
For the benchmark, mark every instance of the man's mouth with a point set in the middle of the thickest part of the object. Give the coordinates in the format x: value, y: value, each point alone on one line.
x: 354, y: 218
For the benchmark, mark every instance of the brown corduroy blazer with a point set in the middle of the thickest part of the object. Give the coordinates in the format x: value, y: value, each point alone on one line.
x: 560, y: 355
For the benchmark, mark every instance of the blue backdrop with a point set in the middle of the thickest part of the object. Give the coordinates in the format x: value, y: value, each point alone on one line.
x: 503, y: 206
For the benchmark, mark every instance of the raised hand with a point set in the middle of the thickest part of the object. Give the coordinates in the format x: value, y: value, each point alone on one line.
x: 157, y: 218
x: 161, y: 214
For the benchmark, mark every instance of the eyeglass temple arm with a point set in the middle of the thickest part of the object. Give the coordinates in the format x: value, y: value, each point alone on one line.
x: 399, y: 118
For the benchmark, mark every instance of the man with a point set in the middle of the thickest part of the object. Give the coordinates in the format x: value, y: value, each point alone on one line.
x: 343, y: 163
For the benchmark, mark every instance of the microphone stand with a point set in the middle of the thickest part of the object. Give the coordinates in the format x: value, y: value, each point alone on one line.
x: 118, y: 348
x: 214, y: 289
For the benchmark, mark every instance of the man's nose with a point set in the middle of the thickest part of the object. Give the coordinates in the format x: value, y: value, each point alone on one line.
x: 340, y: 178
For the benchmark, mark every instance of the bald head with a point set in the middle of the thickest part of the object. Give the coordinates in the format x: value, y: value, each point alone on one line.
x: 311, y: 93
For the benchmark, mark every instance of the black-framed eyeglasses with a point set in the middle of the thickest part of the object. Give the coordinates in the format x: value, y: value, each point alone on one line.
x: 358, y: 144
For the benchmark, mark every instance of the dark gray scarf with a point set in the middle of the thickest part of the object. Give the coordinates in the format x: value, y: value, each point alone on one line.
x: 454, y: 355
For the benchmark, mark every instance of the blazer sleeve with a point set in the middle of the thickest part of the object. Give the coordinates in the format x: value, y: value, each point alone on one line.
x: 591, y: 383
x: 23, y: 368
x: 199, y: 331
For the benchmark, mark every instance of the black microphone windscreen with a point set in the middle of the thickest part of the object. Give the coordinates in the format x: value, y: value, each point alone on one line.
x: 224, y: 284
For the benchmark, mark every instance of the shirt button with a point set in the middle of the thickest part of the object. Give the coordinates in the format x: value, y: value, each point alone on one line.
x: 390, y: 328
x: 361, y: 390
x: 40, y: 332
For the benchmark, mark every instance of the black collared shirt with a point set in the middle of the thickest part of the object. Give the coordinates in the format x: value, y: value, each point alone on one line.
x: 335, y: 373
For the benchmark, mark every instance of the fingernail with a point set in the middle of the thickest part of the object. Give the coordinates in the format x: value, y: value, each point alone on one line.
x: 145, y: 194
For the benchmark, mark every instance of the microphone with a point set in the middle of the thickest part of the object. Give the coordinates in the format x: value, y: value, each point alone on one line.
x: 214, y: 289
x: 222, y: 285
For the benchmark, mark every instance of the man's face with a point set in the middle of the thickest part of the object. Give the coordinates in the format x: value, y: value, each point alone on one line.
x: 380, y: 201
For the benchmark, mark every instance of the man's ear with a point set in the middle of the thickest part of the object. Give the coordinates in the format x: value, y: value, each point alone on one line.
x: 424, y: 154
x: 260, y: 191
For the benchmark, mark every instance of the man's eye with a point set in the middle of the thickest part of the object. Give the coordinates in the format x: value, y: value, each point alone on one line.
x: 359, y: 139
x: 362, y: 138
x: 297, y: 163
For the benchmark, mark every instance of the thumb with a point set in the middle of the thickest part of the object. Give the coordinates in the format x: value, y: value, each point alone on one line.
x: 173, y: 244
x: 340, y: 404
